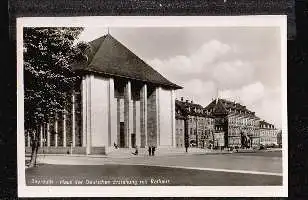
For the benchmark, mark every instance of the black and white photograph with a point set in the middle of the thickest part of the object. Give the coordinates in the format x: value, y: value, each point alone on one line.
x: 121, y: 106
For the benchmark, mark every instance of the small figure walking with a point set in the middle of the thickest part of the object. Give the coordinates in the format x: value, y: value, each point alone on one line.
x: 153, y: 150
x: 115, y: 145
x: 150, y: 150
x: 136, y: 150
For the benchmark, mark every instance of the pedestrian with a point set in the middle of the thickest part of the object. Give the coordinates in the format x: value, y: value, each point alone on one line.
x: 149, y: 149
x: 153, y: 150
x: 136, y: 150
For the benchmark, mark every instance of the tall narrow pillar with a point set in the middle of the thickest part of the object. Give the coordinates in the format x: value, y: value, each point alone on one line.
x: 173, y: 118
x: 64, y: 129
x: 137, y: 122
x: 73, y: 120
x: 88, y: 119
x: 112, y: 115
x: 41, y: 135
x: 56, y: 130
x: 28, y: 139
x: 127, y: 114
x: 134, y: 119
x: 143, y: 116
x: 48, y: 134
x: 157, y: 105
x: 118, y: 120
x: 84, y: 110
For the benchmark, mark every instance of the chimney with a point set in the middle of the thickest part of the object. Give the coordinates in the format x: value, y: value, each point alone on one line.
x: 182, y: 99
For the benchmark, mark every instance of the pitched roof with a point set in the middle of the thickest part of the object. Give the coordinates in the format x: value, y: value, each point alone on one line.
x: 230, y: 105
x: 184, y: 107
x: 108, y: 56
x: 220, y: 109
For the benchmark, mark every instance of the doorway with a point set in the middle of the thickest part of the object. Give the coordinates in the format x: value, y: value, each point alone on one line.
x: 122, y: 136
x: 133, y: 140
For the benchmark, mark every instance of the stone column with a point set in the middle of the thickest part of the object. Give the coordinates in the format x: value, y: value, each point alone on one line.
x: 84, y: 110
x: 173, y: 118
x: 48, y: 134
x: 134, y: 121
x: 28, y: 139
x: 64, y: 129
x: 157, y: 105
x: 56, y: 130
x: 118, y: 120
x: 143, y: 116
x: 112, y: 115
x: 41, y: 136
x: 137, y: 122
x: 88, y: 113
x: 73, y: 120
x: 127, y: 114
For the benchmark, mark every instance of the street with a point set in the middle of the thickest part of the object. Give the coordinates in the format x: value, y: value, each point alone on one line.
x: 237, y: 169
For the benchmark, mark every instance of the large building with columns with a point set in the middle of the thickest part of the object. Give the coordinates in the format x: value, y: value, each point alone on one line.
x: 120, y: 100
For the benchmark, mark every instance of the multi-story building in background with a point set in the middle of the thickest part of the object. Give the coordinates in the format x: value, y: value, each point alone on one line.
x: 180, y: 117
x: 200, y: 124
x: 268, y: 134
x: 279, y: 138
x: 222, y: 123
x: 235, y: 125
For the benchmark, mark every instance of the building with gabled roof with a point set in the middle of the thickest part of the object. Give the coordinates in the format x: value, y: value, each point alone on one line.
x: 199, y: 127
x: 239, y: 125
x: 120, y: 101
x: 108, y: 57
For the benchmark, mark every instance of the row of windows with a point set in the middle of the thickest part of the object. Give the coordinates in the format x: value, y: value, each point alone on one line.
x: 179, y: 122
x: 206, y: 120
x: 267, y: 126
x: 268, y: 133
x: 245, y: 121
x: 268, y: 139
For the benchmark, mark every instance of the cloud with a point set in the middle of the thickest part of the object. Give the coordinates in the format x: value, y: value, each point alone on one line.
x: 249, y: 94
x: 235, y: 73
x: 197, y: 62
x: 264, y: 101
x: 197, y: 90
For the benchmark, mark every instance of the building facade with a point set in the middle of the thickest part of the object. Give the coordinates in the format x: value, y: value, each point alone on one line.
x: 268, y: 134
x: 237, y: 125
x: 120, y: 100
x: 180, y: 120
x: 200, y: 125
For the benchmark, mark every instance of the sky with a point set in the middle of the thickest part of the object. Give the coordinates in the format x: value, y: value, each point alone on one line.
x: 241, y: 64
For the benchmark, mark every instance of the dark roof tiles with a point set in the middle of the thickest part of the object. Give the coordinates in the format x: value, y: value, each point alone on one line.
x: 110, y: 57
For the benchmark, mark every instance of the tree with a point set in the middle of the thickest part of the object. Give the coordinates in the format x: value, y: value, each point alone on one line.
x: 48, y: 76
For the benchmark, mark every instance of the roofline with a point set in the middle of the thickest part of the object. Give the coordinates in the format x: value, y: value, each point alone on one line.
x: 173, y: 86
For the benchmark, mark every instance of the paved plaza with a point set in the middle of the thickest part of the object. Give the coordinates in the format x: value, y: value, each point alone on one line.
x: 261, y: 168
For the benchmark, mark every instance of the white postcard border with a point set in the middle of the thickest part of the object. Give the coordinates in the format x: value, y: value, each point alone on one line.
x: 158, y: 191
